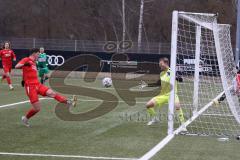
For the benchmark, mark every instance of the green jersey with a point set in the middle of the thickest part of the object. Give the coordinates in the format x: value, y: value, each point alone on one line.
x: 165, y: 82
x: 42, y: 61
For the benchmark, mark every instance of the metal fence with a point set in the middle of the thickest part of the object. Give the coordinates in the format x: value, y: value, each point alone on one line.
x: 82, y: 45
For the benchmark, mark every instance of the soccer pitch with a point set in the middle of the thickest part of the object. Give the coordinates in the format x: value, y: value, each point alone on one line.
x: 118, y: 134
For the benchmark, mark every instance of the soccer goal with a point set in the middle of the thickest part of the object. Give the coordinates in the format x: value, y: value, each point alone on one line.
x: 201, y: 53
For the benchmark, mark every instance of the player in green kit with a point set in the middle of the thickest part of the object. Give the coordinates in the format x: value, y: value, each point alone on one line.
x: 42, y: 65
x: 164, y: 95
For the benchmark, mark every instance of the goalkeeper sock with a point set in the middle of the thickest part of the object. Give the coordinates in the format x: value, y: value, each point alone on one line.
x: 60, y: 98
x: 180, y: 115
x: 151, y: 112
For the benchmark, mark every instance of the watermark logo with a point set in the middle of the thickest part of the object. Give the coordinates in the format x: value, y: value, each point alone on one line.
x: 93, y: 63
x: 121, y: 46
x: 123, y: 84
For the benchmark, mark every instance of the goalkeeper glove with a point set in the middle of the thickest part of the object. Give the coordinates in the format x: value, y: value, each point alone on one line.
x: 142, y: 84
x: 179, y: 78
x: 216, y: 102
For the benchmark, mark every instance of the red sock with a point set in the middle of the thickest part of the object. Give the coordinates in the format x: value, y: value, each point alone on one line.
x: 60, y: 98
x: 9, y: 80
x: 31, y: 113
x: 3, y: 77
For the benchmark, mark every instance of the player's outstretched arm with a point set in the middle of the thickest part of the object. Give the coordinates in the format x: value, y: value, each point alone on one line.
x: 143, y: 84
x: 21, y: 64
x: 156, y: 84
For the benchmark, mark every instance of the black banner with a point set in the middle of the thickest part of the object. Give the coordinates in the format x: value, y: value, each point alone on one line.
x: 142, y: 63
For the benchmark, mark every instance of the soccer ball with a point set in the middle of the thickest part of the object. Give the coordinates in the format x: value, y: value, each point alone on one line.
x: 238, y: 137
x: 107, y: 82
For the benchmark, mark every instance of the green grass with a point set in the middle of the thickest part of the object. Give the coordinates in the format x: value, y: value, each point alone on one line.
x: 111, y: 135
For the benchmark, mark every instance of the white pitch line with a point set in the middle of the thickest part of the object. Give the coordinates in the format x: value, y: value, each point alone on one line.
x: 169, y: 137
x: 14, y: 104
x: 64, y: 156
x: 83, y: 100
x: 53, y: 155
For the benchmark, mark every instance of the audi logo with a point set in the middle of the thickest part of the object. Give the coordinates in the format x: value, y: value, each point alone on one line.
x: 55, y: 60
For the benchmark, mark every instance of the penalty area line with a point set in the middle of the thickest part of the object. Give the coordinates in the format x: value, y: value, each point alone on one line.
x: 83, y: 100
x: 63, y: 156
x: 54, y: 155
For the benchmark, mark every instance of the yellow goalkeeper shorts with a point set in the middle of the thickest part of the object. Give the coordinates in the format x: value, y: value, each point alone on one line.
x: 162, y: 100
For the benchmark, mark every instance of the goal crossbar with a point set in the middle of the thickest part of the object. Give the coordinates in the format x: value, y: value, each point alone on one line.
x: 193, y: 13
x: 204, y: 24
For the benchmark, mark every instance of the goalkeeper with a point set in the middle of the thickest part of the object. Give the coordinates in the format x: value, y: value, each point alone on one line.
x: 42, y: 65
x: 164, y: 95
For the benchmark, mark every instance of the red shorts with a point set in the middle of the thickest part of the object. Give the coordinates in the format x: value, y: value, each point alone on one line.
x: 33, y: 90
x: 7, y: 69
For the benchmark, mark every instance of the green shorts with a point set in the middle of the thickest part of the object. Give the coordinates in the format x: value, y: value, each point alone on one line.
x: 42, y: 71
x: 162, y: 100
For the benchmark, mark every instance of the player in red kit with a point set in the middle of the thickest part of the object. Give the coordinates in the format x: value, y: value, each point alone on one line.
x: 235, y: 89
x: 34, y: 88
x: 7, y: 55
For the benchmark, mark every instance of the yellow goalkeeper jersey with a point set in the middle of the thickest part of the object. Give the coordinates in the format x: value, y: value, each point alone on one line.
x: 165, y: 82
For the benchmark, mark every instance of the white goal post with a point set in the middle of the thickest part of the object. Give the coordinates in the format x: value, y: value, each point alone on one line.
x: 201, y: 53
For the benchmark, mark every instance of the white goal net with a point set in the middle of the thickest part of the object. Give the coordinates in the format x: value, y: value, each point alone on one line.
x: 204, y: 59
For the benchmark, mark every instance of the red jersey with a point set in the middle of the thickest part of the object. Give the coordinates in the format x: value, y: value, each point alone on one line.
x: 238, y: 80
x: 7, y: 55
x: 30, y: 74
